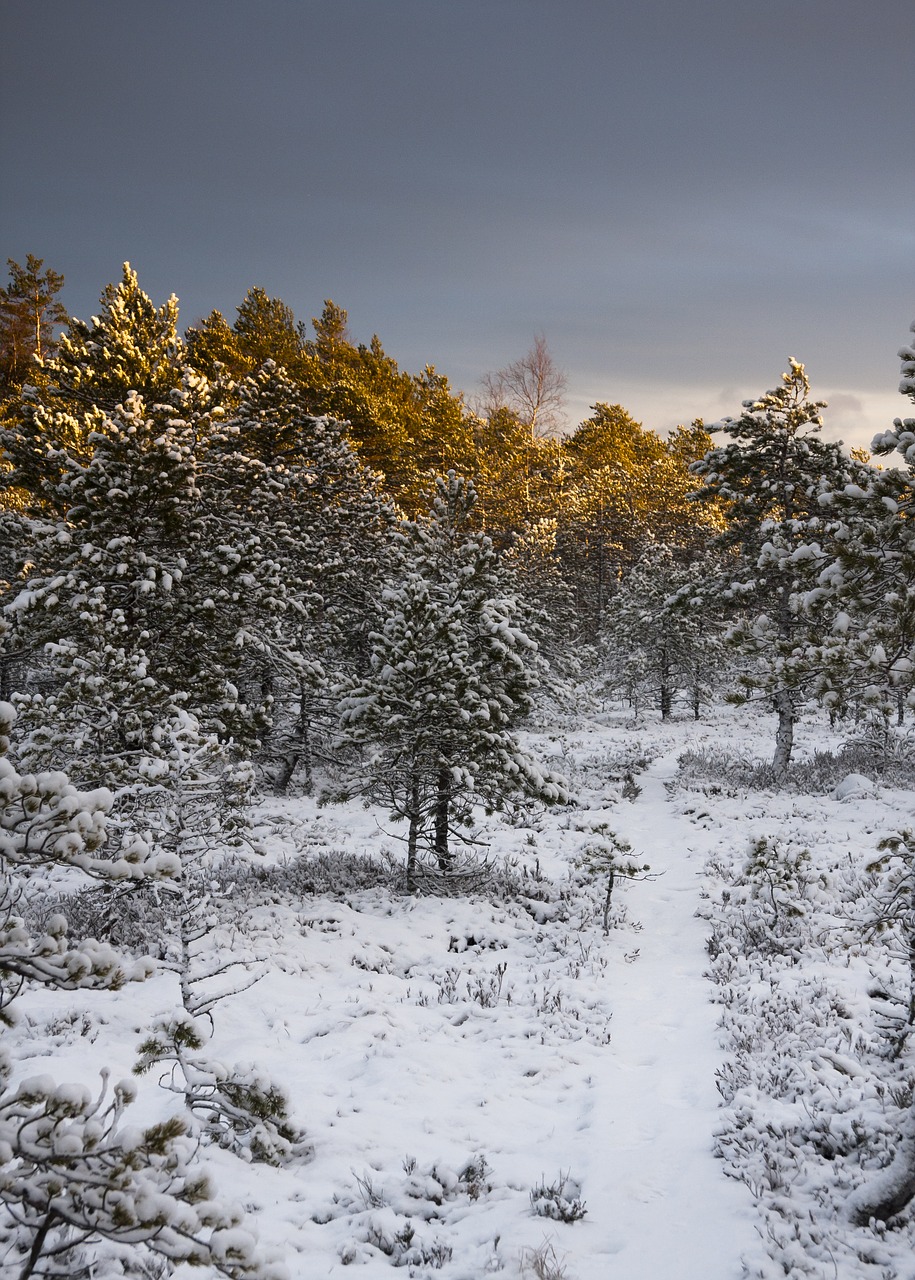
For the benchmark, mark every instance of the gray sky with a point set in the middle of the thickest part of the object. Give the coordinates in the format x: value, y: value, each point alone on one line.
x: 678, y: 193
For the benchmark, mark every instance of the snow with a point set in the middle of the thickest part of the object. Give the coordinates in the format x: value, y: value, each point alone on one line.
x: 470, y: 1069
x: 853, y: 785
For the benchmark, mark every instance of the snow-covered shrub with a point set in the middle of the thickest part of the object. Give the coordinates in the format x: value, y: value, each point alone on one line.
x: 240, y: 1107
x: 612, y: 768
x: 383, y: 1211
x: 131, y: 917
x: 817, y: 1111
x: 543, y: 1263
x: 71, y: 1174
x: 886, y: 907
x: 395, y: 1238
x: 560, y: 1200
x: 715, y: 771
x: 330, y: 873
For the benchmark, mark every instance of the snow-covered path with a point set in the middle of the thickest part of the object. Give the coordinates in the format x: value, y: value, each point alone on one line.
x: 653, y: 1114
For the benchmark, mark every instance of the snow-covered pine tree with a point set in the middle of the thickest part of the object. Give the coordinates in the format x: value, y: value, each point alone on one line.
x: 768, y: 479
x: 655, y: 647
x: 78, y: 1189
x: 864, y: 595
x: 45, y: 820
x: 194, y: 810
x: 130, y: 346
x: 451, y: 673
x: 276, y: 471
x: 139, y: 601
x: 82, y: 1193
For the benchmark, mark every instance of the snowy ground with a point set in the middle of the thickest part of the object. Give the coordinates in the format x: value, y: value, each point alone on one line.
x: 448, y: 1057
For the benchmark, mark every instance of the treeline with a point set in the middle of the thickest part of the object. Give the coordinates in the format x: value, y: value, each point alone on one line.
x: 226, y: 513
x: 589, y: 499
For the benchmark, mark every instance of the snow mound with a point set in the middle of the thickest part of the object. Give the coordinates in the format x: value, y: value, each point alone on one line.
x: 853, y: 785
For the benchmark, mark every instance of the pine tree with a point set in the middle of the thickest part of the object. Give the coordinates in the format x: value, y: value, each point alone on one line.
x: 404, y: 427
x: 71, y: 1175
x: 450, y: 674
x: 623, y: 486
x: 864, y: 596
x: 131, y: 346
x: 654, y: 646
x: 265, y: 328
x: 139, y: 601
x: 518, y: 476
x: 275, y: 471
x: 29, y: 314
x: 193, y: 811
x: 768, y: 481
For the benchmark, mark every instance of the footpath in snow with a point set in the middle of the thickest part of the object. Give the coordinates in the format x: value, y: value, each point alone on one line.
x: 446, y: 1055
x: 670, y: 1213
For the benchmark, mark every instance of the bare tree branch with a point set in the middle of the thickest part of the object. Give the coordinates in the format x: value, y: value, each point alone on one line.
x: 533, y: 387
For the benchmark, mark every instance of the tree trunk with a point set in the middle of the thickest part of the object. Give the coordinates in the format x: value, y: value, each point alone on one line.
x: 38, y: 1244
x: 611, y: 880
x: 442, y: 805
x: 784, y: 737
x: 415, y: 818
x: 697, y: 701
x: 893, y: 1187
x: 665, y: 686
x: 299, y: 753
x: 286, y: 771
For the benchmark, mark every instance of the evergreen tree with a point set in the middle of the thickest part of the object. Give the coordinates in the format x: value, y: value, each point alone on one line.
x: 518, y: 476
x: 265, y: 328
x: 624, y: 486
x: 864, y: 597
x: 29, y: 314
x: 140, y: 602
x: 769, y: 480
x: 450, y: 673
x: 403, y: 426
x: 654, y: 648
x: 131, y: 346
x: 75, y: 1184
x: 277, y: 472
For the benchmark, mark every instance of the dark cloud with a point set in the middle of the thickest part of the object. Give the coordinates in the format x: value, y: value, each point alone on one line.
x: 677, y: 195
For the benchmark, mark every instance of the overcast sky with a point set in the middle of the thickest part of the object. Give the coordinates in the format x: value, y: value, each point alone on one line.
x: 679, y: 194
